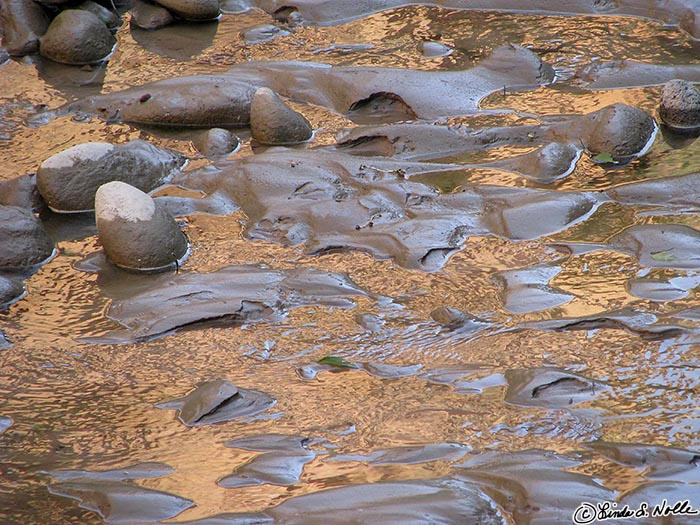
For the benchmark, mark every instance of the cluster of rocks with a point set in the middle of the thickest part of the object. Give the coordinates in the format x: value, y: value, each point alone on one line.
x: 61, y: 31
x: 136, y: 233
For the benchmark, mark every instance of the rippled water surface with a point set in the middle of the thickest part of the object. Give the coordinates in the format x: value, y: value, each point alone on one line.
x: 573, y: 377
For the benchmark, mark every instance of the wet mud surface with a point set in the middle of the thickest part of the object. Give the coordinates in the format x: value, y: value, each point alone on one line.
x: 471, y: 297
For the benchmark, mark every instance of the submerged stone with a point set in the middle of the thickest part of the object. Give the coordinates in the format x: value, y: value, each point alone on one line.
x: 680, y: 105
x: 68, y: 181
x: 77, y: 37
x: 273, y: 122
x: 550, y: 388
x: 238, y: 294
x: 136, y: 232
x: 23, y: 240
x: 217, y: 402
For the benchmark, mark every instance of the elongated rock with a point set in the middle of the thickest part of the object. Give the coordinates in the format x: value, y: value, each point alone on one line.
x: 23, y: 240
x: 77, y: 37
x: 680, y: 105
x: 69, y: 180
x: 273, y: 122
x: 195, y: 101
x: 135, y: 232
x: 150, y: 16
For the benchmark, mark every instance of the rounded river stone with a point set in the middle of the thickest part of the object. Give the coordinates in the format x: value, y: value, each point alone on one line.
x: 77, y: 37
x: 622, y: 131
x: 680, y: 105
x: 136, y: 233
x: 23, y: 240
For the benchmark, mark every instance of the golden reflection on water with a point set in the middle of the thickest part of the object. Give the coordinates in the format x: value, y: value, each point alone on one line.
x: 92, y: 407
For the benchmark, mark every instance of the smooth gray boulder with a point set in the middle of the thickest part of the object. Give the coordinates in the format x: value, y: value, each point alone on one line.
x: 620, y: 130
x: 136, y: 232
x: 23, y: 240
x: 23, y: 23
x: 273, y: 122
x: 69, y: 180
x: 150, y: 16
x: 77, y: 37
x: 680, y: 105
x: 193, y: 10
x: 216, y: 143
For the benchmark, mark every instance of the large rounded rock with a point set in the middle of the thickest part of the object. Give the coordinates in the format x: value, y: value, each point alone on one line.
x: 620, y: 130
x: 273, y: 122
x: 680, y: 105
x: 77, y: 37
x: 69, y: 180
x: 23, y: 240
x: 194, y: 10
x: 136, y: 233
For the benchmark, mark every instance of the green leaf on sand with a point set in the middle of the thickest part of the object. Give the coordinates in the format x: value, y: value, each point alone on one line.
x: 603, y: 158
x: 336, y: 361
x: 663, y: 256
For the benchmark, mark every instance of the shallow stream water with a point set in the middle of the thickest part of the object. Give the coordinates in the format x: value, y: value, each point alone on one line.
x: 578, y: 382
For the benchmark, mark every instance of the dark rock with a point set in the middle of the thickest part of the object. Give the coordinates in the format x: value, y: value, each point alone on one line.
x: 150, y: 16
x: 11, y: 290
x: 77, y: 37
x: 136, y: 232
x: 194, y: 10
x: 23, y: 241
x: 110, y: 18
x: 273, y: 122
x: 23, y: 23
x: 69, y: 180
x: 680, y: 105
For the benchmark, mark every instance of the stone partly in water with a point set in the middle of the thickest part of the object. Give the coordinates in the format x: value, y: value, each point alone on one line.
x: 620, y: 130
x: 216, y: 142
x: 21, y: 191
x: 23, y: 23
x: 23, y: 240
x: 680, y: 105
x: 273, y: 122
x: 109, y: 17
x: 135, y: 232
x: 69, y: 180
x: 11, y: 290
x: 203, y: 101
x: 77, y: 37
x: 193, y: 10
